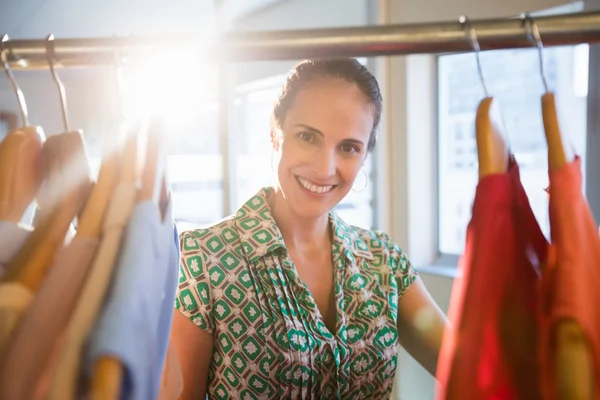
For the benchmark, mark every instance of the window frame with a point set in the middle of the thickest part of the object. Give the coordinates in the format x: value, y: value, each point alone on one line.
x: 592, y: 187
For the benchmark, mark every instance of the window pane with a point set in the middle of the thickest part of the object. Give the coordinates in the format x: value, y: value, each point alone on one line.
x: 513, y: 78
x: 195, y: 167
x: 251, y: 127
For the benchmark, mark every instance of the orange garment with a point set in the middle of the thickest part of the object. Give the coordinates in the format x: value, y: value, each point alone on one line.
x: 490, y: 353
x: 570, y: 287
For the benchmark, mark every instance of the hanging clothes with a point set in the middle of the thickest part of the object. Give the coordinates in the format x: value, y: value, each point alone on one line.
x: 12, y: 237
x: 135, y: 324
x: 570, y: 286
x: 491, y: 351
x: 14, y: 297
x: 65, y: 377
x: 29, y: 351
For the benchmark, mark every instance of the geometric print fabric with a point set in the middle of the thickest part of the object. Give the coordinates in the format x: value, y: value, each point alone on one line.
x: 238, y: 283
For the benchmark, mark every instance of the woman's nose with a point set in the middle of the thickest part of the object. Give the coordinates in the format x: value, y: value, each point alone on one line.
x: 325, y: 164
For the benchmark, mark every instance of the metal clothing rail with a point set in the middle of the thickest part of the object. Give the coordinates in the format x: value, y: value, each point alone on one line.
x: 439, y: 37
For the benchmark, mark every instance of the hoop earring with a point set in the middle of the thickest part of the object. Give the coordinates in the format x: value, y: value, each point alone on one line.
x: 366, y: 182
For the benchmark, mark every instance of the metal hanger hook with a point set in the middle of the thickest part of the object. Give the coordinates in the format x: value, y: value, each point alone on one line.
x: 472, y: 36
x: 13, y: 82
x: 534, y: 33
x: 50, y: 53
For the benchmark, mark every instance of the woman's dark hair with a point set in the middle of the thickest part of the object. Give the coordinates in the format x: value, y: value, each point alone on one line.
x: 345, y: 69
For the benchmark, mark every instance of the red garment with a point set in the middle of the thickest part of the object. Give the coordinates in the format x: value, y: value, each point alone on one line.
x: 571, y: 286
x: 491, y: 351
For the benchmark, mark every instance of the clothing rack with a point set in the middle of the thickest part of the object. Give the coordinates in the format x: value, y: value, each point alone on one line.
x: 437, y: 37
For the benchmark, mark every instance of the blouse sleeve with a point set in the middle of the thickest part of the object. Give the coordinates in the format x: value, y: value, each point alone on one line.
x: 403, y: 270
x: 194, y: 297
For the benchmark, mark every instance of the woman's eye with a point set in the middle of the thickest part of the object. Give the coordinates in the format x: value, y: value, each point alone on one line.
x: 348, y: 148
x: 306, y: 136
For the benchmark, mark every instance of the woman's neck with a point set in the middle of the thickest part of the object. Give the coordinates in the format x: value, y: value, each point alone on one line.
x: 299, y: 232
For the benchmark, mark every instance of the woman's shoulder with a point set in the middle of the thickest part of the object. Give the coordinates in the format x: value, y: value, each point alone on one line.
x: 214, y: 236
x: 374, y: 241
x: 385, y: 255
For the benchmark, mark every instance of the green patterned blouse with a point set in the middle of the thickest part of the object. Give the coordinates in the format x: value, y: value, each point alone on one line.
x: 238, y: 283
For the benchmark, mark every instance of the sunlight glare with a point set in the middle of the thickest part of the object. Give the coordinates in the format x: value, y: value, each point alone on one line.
x: 175, y: 86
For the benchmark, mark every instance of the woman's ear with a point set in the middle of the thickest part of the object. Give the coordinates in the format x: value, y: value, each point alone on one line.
x: 275, y: 139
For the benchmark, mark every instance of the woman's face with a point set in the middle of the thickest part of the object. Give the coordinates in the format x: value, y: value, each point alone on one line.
x: 322, y: 146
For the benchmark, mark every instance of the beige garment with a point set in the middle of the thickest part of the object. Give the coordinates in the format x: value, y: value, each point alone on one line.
x: 28, y: 351
x: 65, y: 381
x: 12, y: 238
x: 15, y: 298
x: 171, y: 383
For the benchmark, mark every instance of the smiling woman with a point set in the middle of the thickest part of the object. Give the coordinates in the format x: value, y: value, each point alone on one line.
x: 286, y: 300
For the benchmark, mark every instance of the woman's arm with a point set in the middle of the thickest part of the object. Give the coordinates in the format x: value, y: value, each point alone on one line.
x: 194, y: 348
x: 421, y: 325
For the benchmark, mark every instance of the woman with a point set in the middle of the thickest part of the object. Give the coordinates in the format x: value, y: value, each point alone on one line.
x: 284, y: 299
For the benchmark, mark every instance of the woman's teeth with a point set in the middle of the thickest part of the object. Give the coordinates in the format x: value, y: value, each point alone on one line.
x: 314, y: 188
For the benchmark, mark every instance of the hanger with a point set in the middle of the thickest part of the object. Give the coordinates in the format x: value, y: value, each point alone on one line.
x: 154, y: 181
x: 92, y: 216
x: 20, y: 157
x: 559, y: 152
x: 108, y: 372
x: 492, y: 150
x: 574, y: 369
x: 62, y: 194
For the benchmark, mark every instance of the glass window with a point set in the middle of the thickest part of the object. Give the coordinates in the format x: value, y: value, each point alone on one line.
x: 513, y: 78
x: 251, y: 125
x: 195, y: 168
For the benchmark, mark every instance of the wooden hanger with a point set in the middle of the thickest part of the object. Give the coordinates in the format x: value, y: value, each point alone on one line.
x: 108, y: 372
x: 492, y: 150
x: 154, y: 170
x: 64, y: 191
x: 92, y: 216
x: 574, y: 367
x: 20, y: 157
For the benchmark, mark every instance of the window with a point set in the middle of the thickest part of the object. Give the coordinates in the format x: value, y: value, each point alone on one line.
x: 195, y: 167
x: 250, y: 126
x: 513, y: 78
